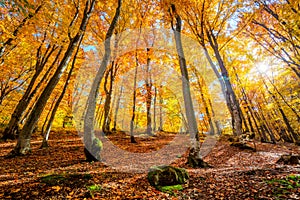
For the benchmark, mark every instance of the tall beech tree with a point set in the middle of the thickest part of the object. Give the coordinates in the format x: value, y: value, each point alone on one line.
x: 92, y: 148
x: 194, y: 155
x: 23, y: 144
x: 207, y: 22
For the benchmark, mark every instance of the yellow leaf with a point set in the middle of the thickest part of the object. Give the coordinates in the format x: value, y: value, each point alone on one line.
x: 56, y: 188
x: 16, y: 190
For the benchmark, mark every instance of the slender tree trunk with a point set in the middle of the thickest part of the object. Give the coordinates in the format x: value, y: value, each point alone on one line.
x: 108, y: 92
x: 48, y: 115
x: 265, y: 126
x: 285, y: 119
x: 194, y: 156
x: 92, y: 148
x: 154, y: 109
x: 132, y: 140
x: 148, y: 95
x: 234, y: 107
x: 46, y: 133
x: 160, y: 110
x: 23, y: 144
x: 250, y: 110
x: 111, y: 73
x: 296, y: 112
x: 210, y: 121
x: 117, y: 109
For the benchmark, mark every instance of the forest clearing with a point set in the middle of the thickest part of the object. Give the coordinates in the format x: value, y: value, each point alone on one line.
x: 160, y: 99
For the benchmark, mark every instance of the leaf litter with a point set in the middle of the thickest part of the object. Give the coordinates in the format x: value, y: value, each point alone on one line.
x: 60, y: 172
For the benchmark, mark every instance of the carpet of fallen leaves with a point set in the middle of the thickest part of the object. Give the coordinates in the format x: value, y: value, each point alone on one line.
x: 60, y: 171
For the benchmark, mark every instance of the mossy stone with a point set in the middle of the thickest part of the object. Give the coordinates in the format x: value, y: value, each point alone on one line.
x: 167, y: 176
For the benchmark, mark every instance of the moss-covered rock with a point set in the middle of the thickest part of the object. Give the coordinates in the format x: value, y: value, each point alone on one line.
x: 167, y: 175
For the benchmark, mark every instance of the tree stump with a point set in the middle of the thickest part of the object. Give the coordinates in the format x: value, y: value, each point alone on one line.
x: 195, y: 162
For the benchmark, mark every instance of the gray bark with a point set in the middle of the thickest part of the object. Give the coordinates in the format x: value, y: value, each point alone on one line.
x: 189, y: 109
x: 89, y: 135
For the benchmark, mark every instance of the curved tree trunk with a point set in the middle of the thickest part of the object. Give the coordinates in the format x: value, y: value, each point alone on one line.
x: 92, y: 151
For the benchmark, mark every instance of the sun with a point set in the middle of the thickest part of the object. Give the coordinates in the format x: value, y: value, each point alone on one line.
x: 264, y: 68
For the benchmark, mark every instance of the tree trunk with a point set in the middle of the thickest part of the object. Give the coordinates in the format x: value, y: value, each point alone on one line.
x: 296, y: 112
x: 160, y: 110
x: 210, y: 121
x: 154, y: 109
x: 11, y: 130
x: 194, y: 155
x: 117, y: 109
x: 132, y: 140
x: 111, y: 73
x: 148, y: 95
x: 44, y: 127
x: 92, y: 151
x: 266, y: 127
x: 23, y: 144
x: 51, y: 119
x: 285, y: 119
x: 234, y: 106
x: 108, y: 93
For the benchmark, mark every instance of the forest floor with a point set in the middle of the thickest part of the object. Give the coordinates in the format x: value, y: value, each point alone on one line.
x: 60, y: 171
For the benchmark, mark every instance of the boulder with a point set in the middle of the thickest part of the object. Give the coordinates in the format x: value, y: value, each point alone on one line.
x: 167, y: 176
